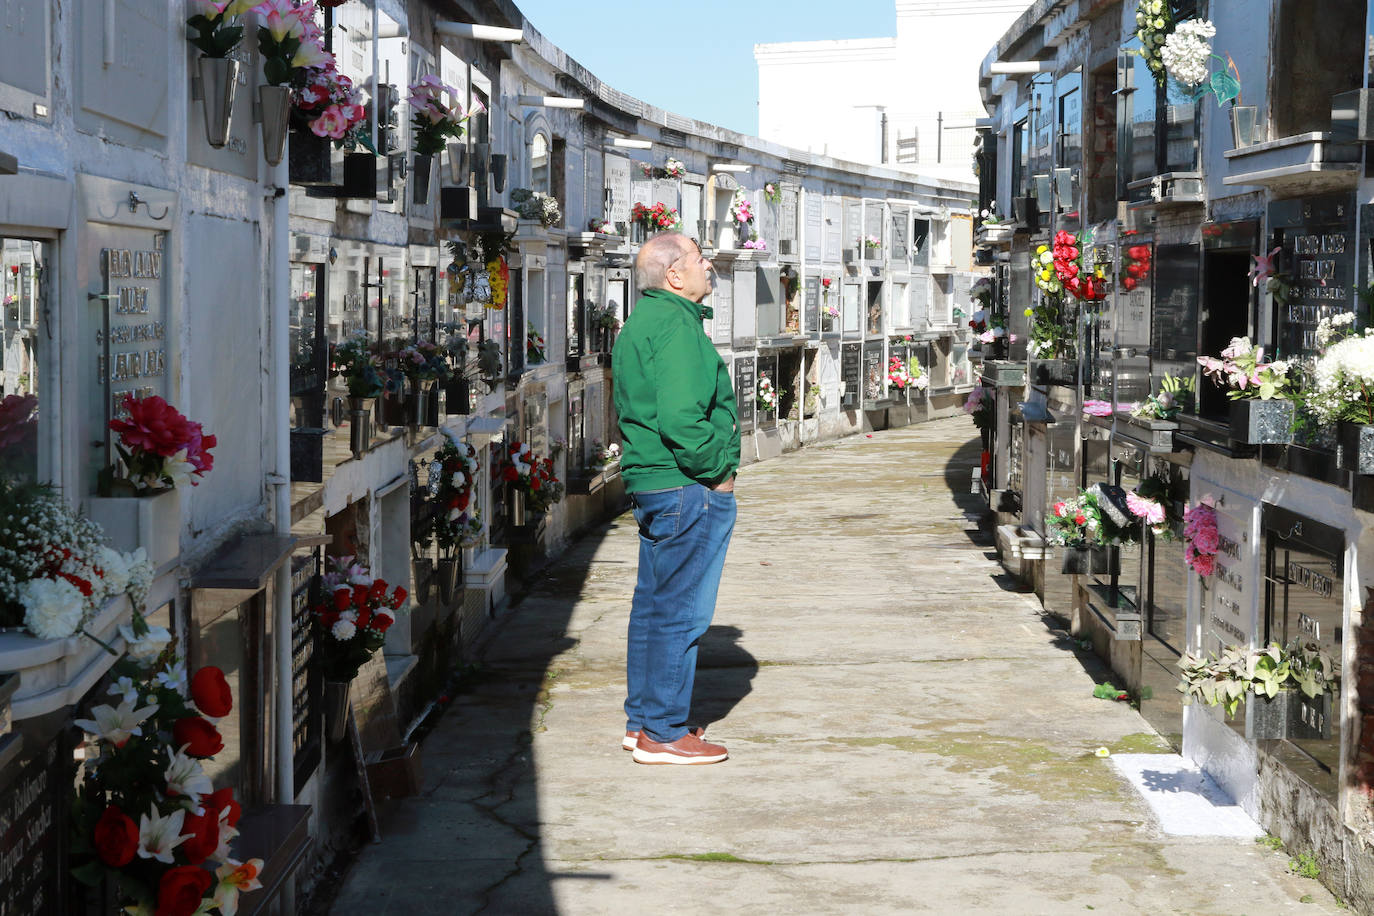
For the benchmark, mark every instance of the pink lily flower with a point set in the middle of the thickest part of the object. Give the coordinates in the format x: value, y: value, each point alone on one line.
x: 1263, y: 267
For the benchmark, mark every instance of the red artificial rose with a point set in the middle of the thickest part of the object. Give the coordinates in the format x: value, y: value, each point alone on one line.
x: 360, y: 595
x: 534, y: 482
x: 343, y: 599
x: 116, y: 838
x: 153, y: 426
x: 181, y: 890
x: 1129, y: 283
x: 202, y: 834
x: 399, y: 598
x: 201, y: 738
x: 364, y: 615
x: 211, y: 692
x: 378, y: 590
x: 223, y: 800
x: 510, y: 473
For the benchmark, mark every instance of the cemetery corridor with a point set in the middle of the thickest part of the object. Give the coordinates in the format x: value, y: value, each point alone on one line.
x: 907, y: 734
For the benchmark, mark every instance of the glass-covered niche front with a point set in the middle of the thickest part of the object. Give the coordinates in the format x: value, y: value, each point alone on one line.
x: 309, y: 356
x: 22, y: 353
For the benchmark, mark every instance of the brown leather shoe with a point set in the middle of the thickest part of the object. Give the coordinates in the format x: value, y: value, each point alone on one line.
x: 689, y: 750
x: 631, y: 738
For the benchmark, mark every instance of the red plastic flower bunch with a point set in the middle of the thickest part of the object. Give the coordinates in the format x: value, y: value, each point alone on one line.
x: 660, y: 217
x: 532, y: 475
x: 353, y: 618
x: 331, y: 102
x: 1135, y: 267
x: 897, y: 374
x: 1067, y: 252
x: 146, y: 816
x: 159, y: 446
x: 1200, y: 537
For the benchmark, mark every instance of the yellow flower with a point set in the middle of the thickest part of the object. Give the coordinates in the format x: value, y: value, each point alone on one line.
x: 1102, y: 752
x: 1029, y: 312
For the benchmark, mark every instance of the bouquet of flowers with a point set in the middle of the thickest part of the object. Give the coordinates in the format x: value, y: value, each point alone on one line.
x: 1343, y: 379
x: 982, y: 407
x: 674, y: 168
x: 1065, y: 258
x: 158, y: 446
x: 1093, y: 518
x: 754, y: 243
x: 1200, y: 537
x: 217, y: 25
x: 536, y: 205
x: 332, y: 105
x: 1242, y: 369
x: 55, y: 572
x: 457, y: 463
x: 145, y: 814
x: 772, y: 192
x: 360, y: 369
x: 1051, y: 328
x: 897, y: 375
x: 658, y: 218
x: 827, y: 307
x: 290, y: 42
x: 1135, y: 266
x: 919, y: 380
x: 872, y: 243
x: 353, y: 618
x: 434, y: 121
x: 532, y: 475
x: 741, y: 209
x: 981, y: 292
x: 1186, y: 50
x: 603, y: 316
x: 603, y: 456
x: 767, y: 394
x: 534, y: 345
x: 599, y: 225
x: 1150, y: 502
x: 422, y: 361
x: 1174, y: 394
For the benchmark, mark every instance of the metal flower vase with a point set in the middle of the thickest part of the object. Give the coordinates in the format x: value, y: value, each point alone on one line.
x: 335, y: 710
x: 448, y: 575
x: 275, y: 102
x: 423, y: 169
x: 219, y: 78
x: 359, y: 425
x: 458, y: 164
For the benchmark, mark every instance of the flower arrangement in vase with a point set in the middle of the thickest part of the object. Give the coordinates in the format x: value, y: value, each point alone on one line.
x: 1174, y: 394
x: 1244, y: 373
x: 536, y: 205
x: 1151, y: 503
x: 158, y: 447
x: 1135, y: 266
x: 872, y: 243
x: 1227, y: 679
x: 742, y: 210
x: 55, y: 571
x: 1343, y: 378
x: 145, y: 815
x: 605, y: 455
x: 982, y: 407
x: 828, y: 308
x: 772, y: 192
x: 534, y: 345
x: 498, y: 281
x: 532, y: 476
x: 216, y: 22
x: 352, y: 619
x: 767, y: 395
x: 600, y: 225
x: 1200, y: 537
x: 658, y: 218
x: 674, y: 168
x: 897, y: 375
x: 359, y: 367
x: 1051, y: 329
x: 919, y: 379
x: 1096, y: 517
x: 290, y: 43
x: 332, y: 107
x: 434, y: 122
x: 754, y: 243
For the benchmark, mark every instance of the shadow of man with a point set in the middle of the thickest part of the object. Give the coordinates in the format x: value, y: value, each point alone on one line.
x: 725, y: 674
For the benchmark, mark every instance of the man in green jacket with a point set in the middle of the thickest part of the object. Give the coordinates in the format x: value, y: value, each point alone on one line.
x: 679, y: 428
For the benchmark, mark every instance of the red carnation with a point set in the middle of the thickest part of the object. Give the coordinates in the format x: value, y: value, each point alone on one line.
x: 200, y: 737
x: 181, y: 890
x: 1079, y: 518
x: 153, y: 426
x: 211, y: 692
x: 116, y: 838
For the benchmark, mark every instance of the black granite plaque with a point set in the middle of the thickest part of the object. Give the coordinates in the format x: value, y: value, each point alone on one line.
x: 32, y: 824
x: 1177, y: 289
x: 746, y: 392
x: 1317, y: 235
x: 811, y: 313
x: 851, y: 365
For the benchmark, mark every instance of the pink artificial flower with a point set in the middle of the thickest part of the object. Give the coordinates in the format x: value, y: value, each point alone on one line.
x: 987, y: 336
x: 1264, y: 267
x: 310, y: 54
x: 281, y: 19
x: 331, y: 124
x: 1144, y: 507
x: 1095, y: 408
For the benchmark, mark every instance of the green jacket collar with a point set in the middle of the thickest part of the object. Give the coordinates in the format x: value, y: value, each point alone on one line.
x: 701, y: 311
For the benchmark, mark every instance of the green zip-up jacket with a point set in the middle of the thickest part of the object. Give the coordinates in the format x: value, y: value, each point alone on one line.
x: 678, y: 420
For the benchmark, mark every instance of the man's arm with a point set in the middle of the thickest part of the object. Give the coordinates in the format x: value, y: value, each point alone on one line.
x: 686, y: 378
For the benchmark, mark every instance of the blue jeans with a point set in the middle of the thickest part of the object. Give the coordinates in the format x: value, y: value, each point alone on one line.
x: 683, y: 535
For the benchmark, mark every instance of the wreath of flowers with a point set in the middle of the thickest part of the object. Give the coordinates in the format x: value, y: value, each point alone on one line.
x: 457, y: 467
x: 1200, y: 537
x: 498, y: 279
x: 147, y: 764
x: 767, y: 395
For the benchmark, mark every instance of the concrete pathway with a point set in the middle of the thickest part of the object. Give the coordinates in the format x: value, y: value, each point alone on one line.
x: 907, y: 734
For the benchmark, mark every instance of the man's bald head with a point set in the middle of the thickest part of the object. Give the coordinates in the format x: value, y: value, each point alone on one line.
x: 657, y: 255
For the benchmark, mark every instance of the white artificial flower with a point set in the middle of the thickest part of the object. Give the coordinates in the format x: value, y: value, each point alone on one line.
x: 116, y: 724
x: 53, y: 608
x: 158, y: 835
x: 459, y: 478
x: 174, y: 677
x: 343, y: 630
x: 186, y: 777
x: 1186, y: 51
x: 226, y: 839
x: 177, y: 469
x: 125, y: 689
x: 115, y: 568
x: 146, y: 648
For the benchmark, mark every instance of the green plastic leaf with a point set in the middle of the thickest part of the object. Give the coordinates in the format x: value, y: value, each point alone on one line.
x: 1225, y: 87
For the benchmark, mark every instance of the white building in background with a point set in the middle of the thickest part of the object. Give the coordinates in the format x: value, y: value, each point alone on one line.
x: 904, y: 101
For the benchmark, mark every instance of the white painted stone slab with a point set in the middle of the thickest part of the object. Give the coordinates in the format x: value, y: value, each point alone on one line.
x: 1184, y: 799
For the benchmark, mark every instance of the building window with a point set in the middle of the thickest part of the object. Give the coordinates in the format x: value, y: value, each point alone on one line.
x: 539, y: 163
x: 22, y: 354
x: 1319, y: 48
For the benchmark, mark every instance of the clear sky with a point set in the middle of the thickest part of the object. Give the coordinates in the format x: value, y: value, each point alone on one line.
x: 697, y: 58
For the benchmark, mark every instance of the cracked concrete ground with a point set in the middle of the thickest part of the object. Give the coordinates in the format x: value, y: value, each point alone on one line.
x: 907, y: 734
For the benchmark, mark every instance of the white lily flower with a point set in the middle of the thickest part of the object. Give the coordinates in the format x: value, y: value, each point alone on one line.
x: 124, y: 689
x: 158, y: 835
x: 186, y: 777
x: 146, y: 648
x: 117, y: 724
